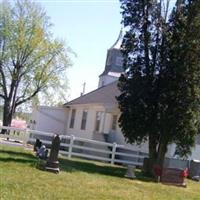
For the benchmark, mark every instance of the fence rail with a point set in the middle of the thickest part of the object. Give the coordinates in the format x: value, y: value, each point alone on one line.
x: 80, y: 147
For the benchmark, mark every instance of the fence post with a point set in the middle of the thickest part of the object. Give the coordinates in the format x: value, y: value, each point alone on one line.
x: 26, y: 137
x: 72, y: 138
x: 114, y: 147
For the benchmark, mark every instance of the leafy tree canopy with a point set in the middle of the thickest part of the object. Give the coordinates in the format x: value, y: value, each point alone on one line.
x: 160, y: 95
x: 31, y: 60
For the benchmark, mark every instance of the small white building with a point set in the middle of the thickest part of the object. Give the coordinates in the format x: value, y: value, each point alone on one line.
x: 95, y: 115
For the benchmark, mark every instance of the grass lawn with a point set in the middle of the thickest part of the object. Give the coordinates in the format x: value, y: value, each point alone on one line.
x: 79, y: 179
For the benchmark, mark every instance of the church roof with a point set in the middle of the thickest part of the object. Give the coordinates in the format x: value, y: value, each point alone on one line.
x: 104, y: 95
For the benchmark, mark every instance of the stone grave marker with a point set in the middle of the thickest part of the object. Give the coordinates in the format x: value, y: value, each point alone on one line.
x: 52, y: 164
x: 130, y: 172
x: 173, y: 176
x: 194, y: 170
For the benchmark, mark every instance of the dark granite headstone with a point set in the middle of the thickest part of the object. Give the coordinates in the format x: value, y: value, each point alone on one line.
x: 173, y: 176
x: 52, y: 163
x: 194, y: 168
x: 37, y: 145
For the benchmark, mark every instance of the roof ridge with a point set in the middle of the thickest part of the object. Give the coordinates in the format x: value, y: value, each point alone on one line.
x: 114, y: 82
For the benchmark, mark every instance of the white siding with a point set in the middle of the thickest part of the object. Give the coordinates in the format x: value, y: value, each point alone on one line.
x: 50, y: 119
x: 90, y: 123
x: 195, y: 152
x: 106, y: 79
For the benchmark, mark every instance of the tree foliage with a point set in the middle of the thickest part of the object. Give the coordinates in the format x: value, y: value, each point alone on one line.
x: 182, y: 88
x: 159, y: 99
x: 31, y: 60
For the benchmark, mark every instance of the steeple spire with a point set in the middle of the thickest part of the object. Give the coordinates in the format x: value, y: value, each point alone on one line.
x: 118, y: 42
x: 114, y: 63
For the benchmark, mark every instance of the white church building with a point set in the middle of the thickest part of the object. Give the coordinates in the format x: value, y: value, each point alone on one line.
x: 95, y: 115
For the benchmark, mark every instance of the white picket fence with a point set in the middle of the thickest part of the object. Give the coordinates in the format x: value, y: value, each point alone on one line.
x: 112, y: 153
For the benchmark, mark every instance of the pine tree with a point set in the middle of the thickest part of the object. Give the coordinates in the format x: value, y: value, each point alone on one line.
x: 181, y: 80
x: 159, y: 91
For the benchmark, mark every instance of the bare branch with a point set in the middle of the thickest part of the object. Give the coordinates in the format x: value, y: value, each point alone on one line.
x: 29, y: 97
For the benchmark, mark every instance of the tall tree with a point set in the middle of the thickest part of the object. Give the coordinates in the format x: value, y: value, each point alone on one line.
x: 181, y: 80
x: 31, y: 60
x: 153, y: 56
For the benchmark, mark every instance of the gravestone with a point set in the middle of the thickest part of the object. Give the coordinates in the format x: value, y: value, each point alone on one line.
x: 173, y: 176
x: 37, y: 145
x: 130, y: 172
x: 53, y: 163
x: 194, y: 170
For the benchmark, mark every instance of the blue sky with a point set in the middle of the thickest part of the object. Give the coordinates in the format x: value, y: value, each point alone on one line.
x: 89, y: 28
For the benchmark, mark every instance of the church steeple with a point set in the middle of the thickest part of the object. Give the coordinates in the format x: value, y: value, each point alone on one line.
x: 117, y: 44
x: 114, y: 63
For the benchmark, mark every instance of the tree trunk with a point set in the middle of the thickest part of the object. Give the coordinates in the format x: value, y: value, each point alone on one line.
x: 161, y: 152
x: 150, y: 162
x: 7, y: 116
x: 156, y: 156
x: 9, y: 106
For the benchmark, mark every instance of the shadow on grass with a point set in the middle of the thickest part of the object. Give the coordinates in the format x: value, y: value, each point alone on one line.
x: 71, y: 165
x: 74, y: 166
x: 17, y: 153
x: 18, y: 160
x: 15, y: 156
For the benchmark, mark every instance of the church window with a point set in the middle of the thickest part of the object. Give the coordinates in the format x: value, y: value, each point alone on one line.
x: 72, y: 118
x: 84, y: 120
x: 98, y: 121
x: 114, y: 123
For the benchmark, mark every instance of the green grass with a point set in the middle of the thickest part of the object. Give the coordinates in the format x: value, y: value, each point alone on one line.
x: 79, y: 179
